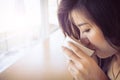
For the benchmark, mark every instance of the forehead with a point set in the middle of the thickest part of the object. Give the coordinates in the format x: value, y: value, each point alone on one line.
x: 80, y: 17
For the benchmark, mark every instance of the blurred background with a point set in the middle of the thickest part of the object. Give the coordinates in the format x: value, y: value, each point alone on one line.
x: 30, y: 41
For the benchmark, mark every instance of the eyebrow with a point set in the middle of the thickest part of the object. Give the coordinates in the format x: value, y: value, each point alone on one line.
x: 79, y: 25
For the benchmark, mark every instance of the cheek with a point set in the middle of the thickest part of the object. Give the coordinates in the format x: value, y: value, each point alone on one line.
x: 96, y: 38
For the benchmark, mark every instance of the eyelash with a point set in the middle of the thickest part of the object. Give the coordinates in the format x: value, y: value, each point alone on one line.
x: 87, y: 30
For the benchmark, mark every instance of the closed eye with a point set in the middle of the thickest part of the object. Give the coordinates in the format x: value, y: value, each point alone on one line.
x: 87, y: 30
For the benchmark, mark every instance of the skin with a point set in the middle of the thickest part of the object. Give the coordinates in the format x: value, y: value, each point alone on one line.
x: 80, y: 65
x: 91, y: 37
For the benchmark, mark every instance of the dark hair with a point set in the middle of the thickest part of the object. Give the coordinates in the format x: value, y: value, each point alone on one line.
x: 104, y: 13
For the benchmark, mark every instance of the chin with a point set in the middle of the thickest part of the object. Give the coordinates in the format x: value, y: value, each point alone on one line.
x: 103, y: 57
x: 101, y: 54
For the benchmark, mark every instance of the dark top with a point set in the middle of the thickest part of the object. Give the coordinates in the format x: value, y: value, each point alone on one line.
x: 104, y: 64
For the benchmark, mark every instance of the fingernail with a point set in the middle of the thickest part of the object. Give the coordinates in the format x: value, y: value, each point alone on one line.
x: 69, y: 43
x: 63, y: 48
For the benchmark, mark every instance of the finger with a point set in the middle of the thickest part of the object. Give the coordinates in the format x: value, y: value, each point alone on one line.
x: 79, y: 65
x: 76, y: 73
x: 77, y: 50
x: 72, y: 68
x: 70, y: 54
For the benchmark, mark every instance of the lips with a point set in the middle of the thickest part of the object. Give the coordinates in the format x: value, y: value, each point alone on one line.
x: 85, y: 42
x: 90, y: 46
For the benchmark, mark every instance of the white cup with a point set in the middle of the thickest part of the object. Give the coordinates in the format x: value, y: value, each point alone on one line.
x: 86, y: 50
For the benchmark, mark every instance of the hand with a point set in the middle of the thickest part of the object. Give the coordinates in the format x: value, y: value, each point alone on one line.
x: 82, y: 66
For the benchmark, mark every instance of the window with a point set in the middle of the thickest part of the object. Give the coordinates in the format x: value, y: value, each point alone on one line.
x: 52, y: 10
x: 20, y: 27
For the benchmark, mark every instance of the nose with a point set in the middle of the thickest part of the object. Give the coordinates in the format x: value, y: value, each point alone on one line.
x: 85, y: 41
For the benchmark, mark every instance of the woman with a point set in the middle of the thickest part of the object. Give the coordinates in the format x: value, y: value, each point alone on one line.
x: 95, y: 24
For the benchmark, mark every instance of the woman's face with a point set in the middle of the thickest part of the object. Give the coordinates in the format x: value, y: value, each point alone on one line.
x: 91, y: 35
